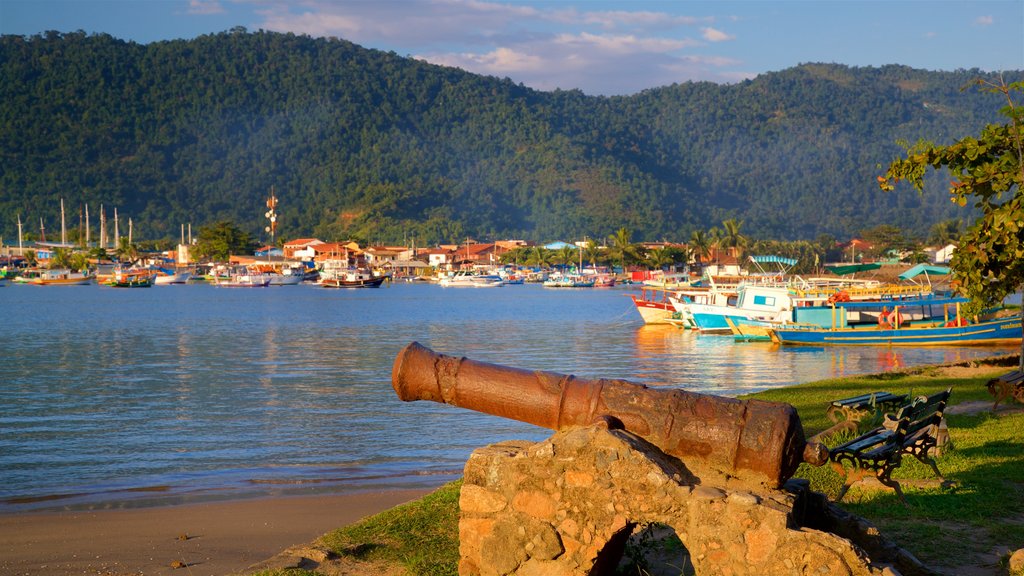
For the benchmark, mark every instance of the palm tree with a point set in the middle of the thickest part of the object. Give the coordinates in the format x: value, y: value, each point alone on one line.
x: 731, y: 236
x: 126, y: 251
x: 539, y: 256
x: 61, y: 258
x: 566, y: 255
x: 700, y: 244
x: 945, y: 232
x: 593, y: 253
x: 659, y: 258
x: 622, y: 247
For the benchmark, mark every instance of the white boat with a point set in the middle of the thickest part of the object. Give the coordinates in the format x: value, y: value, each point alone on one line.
x: 243, y: 278
x: 164, y: 276
x: 62, y: 277
x: 468, y: 279
x: 354, y: 278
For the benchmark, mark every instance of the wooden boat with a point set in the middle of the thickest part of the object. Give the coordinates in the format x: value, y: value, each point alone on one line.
x: 570, y: 281
x: 653, y: 305
x: 949, y: 329
x: 164, y: 276
x: 355, y: 278
x: 241, y: 277
x: 131, y: 279
x: 62, y: 277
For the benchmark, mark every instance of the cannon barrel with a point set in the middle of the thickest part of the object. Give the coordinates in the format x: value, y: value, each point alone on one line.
x: 749, y: 441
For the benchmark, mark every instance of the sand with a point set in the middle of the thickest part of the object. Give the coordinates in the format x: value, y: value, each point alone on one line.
x: 209, y: 539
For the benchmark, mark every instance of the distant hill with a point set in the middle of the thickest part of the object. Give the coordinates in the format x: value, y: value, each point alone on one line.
x: 367, y: 144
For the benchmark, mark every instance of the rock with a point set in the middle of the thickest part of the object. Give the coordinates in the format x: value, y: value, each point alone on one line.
x: 1017, y: 561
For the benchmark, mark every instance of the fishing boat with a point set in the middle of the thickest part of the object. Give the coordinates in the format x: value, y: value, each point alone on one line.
x: 354, y: 278
x: 948, y: 329
x: 653, y: 305
x: 133, y: 278
x: 62, y: 277
x: 165, y: 276
x: 570, y: 281
x: 242, y: 277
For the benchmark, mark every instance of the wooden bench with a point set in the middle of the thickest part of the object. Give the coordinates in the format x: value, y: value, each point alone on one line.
x: 848, y: 413
x: 1007, y: 386
x: 880, y: 451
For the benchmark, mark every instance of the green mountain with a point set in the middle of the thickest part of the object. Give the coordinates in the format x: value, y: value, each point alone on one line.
x: 368, y: 144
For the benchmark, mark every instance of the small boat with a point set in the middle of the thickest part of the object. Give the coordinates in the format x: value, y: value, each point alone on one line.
x: 569, y: 281
x: 948, y: 330
x: 354, y: 278
x: 62, y: 277
x: 653, y: 305
x: 243, y: 278
x: 131, y: 279
x: 164, y: 276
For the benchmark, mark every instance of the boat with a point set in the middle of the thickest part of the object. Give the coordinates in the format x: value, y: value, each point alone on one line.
x: 570, y: 281
x: 135, y: 278
x: 164, y: 276
x: 282, y: 275
x: 653, y: 305
x: 242, y: 277
x: 62, y: 277
x: 354, y: 278
x: 464, y: 278
x: 949, y: 329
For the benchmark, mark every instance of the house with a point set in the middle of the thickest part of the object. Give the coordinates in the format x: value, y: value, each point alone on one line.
x: 940, y: 255
x: 269, y: 251
x: 377, y: 256
x: 440, y: 258
x: 301, y: 249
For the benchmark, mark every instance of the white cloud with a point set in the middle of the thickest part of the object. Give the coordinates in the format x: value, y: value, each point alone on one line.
x: 984, y: 21
x: 547, y: 47
x: 204, y: 7
x: 713, y: 35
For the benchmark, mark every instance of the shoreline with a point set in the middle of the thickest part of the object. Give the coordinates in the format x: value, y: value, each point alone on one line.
x: 213, y: 538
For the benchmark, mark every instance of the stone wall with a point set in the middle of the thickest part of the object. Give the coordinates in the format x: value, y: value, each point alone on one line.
x: 567, y: 505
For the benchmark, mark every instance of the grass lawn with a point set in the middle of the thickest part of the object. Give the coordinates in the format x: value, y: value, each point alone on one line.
x: 958, y: 529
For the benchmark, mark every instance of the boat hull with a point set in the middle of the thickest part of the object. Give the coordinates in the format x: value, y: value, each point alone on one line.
x: 653, y: 312
x: 1002, y: 331
x: 360, y: 283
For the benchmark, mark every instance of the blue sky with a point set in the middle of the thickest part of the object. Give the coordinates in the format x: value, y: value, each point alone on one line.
x: 601, y: 47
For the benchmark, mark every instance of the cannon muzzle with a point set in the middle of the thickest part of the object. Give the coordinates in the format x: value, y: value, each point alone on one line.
x: 749, y: 441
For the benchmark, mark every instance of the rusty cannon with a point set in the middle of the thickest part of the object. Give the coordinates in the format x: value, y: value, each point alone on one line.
x: 722, y: 440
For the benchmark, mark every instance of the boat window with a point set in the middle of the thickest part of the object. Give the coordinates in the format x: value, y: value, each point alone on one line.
x: 761, y: 300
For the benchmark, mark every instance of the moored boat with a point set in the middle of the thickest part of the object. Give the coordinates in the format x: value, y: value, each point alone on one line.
x: 355, y: 278
x: 894, y: 327
x: 137, y: 278
x: 62, y: 277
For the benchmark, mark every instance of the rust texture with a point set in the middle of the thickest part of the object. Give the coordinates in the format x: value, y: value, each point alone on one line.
x: 719, y: 439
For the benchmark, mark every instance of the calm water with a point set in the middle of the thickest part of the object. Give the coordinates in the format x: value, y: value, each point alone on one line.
x: 114, y: 398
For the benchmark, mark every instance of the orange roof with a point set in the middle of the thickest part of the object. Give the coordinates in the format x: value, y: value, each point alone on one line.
x: 303, y: 242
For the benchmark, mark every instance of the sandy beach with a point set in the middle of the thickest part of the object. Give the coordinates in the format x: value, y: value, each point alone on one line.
x: 209, y: 539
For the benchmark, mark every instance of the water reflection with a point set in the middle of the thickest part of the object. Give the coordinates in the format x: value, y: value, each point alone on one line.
x: 185, y: 392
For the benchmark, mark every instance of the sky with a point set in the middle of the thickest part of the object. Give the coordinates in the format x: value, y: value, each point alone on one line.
x: 606, y: 47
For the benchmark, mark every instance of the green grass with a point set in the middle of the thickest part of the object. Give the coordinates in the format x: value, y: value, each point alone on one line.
x: 953, y: 526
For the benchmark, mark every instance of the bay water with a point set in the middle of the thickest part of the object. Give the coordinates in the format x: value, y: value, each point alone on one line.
x: 113, y: 398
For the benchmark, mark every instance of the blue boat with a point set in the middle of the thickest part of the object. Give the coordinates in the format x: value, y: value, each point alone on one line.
x: 946, y: 330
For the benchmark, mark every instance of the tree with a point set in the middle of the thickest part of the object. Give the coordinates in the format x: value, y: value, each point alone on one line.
x: 539, y: 256
x: 701, y: 244
x: 219, y: 241
x: 731, y: 235
x: 126, y: 251
x: 945, y: 232
x: 622, y: 248
x: 989, y: 262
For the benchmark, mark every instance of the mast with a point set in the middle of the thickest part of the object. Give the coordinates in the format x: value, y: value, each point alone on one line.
x: 103, y: 227
x: 129, y: 231
x: 117, y: 233
x: 42, y: 231
x: 86, y: 225
x: 21, y: 246
x: 63, y: 230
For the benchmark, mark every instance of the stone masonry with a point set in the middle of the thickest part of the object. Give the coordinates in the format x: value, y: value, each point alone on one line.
x: 566, y: 507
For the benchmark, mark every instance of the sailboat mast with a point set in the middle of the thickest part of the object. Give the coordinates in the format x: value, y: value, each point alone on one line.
x: 63, y: 230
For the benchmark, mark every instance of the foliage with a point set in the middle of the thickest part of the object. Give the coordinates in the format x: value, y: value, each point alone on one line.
x: 218, y: 241
x: 365, y: 143
x: 988, y: 170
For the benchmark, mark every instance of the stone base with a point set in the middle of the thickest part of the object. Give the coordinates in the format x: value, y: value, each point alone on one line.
x: 567, y: 506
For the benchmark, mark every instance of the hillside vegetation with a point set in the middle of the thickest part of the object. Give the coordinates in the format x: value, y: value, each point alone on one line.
x: 368, y: 144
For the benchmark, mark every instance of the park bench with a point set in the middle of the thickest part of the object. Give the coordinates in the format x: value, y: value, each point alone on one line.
x: 849, y: 412
x: 1007, y: 386
x: 912, y: 431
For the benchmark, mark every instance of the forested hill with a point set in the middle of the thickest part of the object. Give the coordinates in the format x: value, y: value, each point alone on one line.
x: 368, y: 144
